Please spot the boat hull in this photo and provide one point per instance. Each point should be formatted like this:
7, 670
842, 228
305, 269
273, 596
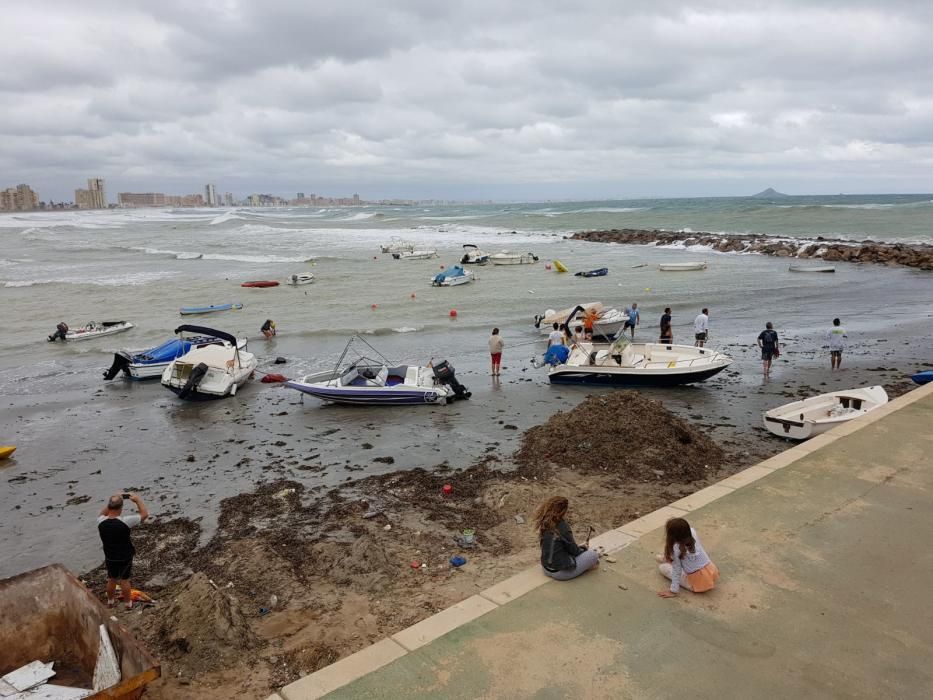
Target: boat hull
610, 377
373, 397
100, 332
194, 310
923, 377
824, 269
801, 420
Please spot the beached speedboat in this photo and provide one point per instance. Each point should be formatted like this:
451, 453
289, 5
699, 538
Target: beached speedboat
210, 371
452, 276
601, 272
151, 363
382, 383
96, 329
507, 258
682, 267
299, 279
472, 255
811, 268
804, 419
397, 245
192, 310
607, 325
637, 364
415, 255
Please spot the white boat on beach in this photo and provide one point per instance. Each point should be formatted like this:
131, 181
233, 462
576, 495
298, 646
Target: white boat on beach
637, 364
804, 419
811, 268
682, 267
507, 258
210, 372
96, 329
452, 277
397, 245
608, 323
299, 279
415, 255
472, 255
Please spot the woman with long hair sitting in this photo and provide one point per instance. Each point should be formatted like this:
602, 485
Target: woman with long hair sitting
561, 557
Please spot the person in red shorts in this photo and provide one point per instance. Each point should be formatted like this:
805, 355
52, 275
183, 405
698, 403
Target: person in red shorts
495, 350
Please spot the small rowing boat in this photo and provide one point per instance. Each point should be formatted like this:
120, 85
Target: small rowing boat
303, 278
811, 268
682, 267
804, 419
95, 329
415, 255
601, 272
191, 310
7, 450
260, 284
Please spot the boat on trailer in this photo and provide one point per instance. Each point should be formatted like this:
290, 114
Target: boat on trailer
507, 258
682, 267
151, 362
622, 363
380, 382
811, 268
211, 371
804, 419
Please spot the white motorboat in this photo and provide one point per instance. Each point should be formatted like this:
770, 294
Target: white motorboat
804, 419
472, 255
381, 383
96, 329
210, 372
637, 364
507, 258
811, 268
607, 325
415, 255
682, 267
150, 363
299, 279
397, 245
452, 276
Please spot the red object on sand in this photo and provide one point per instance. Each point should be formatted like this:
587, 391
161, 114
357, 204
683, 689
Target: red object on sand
273, 378
260, 283
448, 489
415, 564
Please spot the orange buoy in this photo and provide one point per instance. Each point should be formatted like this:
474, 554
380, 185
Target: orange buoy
447, 489
547, 266
372, 306
453, 313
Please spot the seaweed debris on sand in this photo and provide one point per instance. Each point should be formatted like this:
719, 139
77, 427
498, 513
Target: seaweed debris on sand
303, 579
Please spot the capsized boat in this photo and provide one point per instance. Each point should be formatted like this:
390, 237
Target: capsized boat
380, 382
96, 329
682, 267
415, 255
601, 272
804, 419
559, 266
397, 245
211, 371
452, 276
299, 279
607, 325
637, 364
260, 284
192, 310
811, 268
507, 258
151, 363
472, 255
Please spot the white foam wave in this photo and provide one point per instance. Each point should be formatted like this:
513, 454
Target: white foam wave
406, 329
231, 215
134, 279
257, 258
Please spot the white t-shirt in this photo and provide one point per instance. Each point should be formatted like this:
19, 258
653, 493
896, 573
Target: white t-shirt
495, 344
837, 338
701, 323
555, 338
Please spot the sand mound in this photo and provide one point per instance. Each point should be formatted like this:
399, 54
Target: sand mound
203, 625
622, 433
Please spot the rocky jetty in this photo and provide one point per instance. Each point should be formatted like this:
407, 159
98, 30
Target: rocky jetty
828, 249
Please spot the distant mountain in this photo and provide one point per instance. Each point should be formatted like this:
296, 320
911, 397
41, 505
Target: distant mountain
769, 193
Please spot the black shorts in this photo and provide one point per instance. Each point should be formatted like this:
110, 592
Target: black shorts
767, 355
628, 324
119, 570
701, 336
835, 353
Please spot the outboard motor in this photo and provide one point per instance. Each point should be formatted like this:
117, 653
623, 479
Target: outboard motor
465, 259
444, 373
197, 374
120, 363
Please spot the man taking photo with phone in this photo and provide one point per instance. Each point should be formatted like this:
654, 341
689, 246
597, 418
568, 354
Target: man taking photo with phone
114, 529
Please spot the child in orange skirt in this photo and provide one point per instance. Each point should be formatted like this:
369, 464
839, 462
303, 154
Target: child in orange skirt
684, 561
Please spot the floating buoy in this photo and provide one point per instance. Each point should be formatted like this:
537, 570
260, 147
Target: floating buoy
453, 313
412, 295
442, 267
647, 289
372, 306
547, 266
447, 489
375, 257
273, 378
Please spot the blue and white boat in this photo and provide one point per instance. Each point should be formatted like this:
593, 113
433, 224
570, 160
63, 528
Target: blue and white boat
379, 382
191, 310
151, 363
452, 276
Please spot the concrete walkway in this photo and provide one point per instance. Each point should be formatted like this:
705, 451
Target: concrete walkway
826, 554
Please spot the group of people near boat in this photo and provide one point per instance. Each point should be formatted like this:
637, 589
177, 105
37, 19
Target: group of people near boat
684, 561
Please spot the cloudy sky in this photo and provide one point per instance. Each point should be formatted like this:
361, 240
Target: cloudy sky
468, 99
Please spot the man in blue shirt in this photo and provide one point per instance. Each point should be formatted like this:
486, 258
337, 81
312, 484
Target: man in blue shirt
632, 313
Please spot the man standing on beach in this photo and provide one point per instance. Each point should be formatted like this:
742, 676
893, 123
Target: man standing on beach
837, 343
768, 342
555, 337
632, 313
667, 331
701, 328
114, 530
495, 350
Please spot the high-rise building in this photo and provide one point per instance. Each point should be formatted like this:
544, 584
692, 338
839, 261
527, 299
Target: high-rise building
356, 200
19, 198
228, 198
141, 199
301, 195
94, 197
210, 195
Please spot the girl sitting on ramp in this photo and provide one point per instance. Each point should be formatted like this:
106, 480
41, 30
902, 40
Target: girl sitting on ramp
684, 561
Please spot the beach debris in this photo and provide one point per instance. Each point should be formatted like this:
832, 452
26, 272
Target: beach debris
273, 378
263, 612
520, 520
30, 675
624, 588
280, 360
457, 561
611, 560
415, 564
107, 669
370, 514
469, 535
447, 489
273, 600
387, 527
